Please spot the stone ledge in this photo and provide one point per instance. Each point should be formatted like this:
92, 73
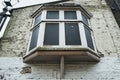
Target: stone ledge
53, 54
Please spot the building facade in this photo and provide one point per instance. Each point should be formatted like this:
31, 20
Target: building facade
73, 35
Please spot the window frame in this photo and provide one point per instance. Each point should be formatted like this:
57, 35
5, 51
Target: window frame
62, 22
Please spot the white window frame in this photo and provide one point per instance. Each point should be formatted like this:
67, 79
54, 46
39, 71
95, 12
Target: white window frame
62, 22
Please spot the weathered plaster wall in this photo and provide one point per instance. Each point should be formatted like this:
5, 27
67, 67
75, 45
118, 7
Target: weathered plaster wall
105, 28
14, 69
107, 37
15, 40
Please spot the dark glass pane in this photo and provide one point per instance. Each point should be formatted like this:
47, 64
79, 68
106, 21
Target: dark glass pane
2, 21
1, 17
89, 38
37, 19
72, 35
52, 14
34, 38
85, 19
70, 15
51, 34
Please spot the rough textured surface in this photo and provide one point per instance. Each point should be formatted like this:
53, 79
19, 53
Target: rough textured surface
115, 7
105, 29
107, 69
15, 40
107, 38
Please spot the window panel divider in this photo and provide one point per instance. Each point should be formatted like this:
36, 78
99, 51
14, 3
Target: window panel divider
44, 14
41, 34
61, 35
61, 15
65, 20
82, 35
79, 15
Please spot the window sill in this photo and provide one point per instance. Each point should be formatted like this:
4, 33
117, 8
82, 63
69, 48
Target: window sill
52, 55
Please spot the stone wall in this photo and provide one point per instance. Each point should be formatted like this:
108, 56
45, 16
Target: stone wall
14, 69
15, 40
107, 37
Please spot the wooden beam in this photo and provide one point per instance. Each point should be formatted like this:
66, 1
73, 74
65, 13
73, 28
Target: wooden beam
62, 67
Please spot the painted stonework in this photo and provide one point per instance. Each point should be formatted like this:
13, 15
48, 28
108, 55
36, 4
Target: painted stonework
107, 37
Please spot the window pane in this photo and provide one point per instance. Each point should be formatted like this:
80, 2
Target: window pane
52, 14
85, 19
70, 15
1, 17
89, 38
37, 19
34, 38
2, 21
51, 34
72, 34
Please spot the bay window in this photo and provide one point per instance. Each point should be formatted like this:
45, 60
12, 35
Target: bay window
61, 32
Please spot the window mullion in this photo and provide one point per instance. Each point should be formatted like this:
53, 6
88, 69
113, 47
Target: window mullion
61, 34
41, 34
82, 35
79, 15
61, 15
44, 13
62, 29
